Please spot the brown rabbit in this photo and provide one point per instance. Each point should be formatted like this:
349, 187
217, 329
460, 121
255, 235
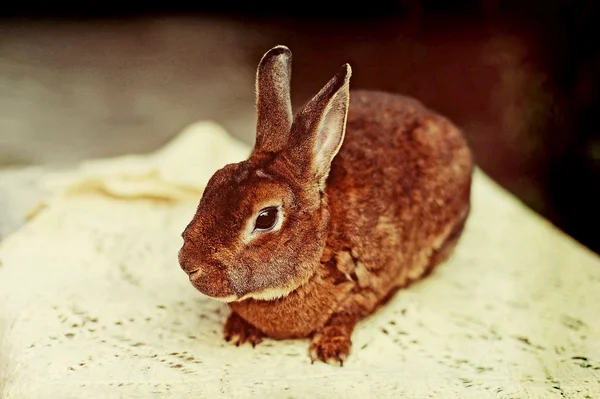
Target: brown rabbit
335, 210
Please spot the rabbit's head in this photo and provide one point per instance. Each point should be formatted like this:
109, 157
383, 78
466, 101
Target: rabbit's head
261, 225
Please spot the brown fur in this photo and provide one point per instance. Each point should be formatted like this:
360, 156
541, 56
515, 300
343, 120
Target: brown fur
359, 223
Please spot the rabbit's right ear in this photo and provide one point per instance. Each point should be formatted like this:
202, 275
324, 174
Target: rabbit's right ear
319, 128
273, 103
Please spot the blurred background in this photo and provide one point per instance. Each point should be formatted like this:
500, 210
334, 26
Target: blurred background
522, 78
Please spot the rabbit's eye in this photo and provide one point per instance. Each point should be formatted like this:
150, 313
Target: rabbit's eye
266, 220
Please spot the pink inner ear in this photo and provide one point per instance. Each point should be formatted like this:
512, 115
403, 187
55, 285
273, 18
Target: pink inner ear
321, 138
329, 135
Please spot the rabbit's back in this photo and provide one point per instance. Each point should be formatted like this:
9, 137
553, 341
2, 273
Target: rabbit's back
397, 188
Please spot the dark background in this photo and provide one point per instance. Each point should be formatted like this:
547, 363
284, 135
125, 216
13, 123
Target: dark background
520, 77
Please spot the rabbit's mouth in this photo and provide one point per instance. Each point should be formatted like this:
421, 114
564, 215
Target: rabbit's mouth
213, 285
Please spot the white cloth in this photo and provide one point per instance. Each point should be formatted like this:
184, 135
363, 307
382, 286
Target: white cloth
93, 303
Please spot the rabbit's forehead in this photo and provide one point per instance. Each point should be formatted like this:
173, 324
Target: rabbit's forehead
257, 195
240, 190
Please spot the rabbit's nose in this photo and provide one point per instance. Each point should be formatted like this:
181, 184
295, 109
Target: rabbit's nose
186, 259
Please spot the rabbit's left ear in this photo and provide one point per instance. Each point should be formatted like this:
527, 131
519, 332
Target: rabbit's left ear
273, 103
318, 130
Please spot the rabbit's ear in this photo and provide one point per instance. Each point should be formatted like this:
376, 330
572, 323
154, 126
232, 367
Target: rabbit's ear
273, 104
318, 130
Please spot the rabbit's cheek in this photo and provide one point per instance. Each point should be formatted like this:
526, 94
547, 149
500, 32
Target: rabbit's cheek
239, 278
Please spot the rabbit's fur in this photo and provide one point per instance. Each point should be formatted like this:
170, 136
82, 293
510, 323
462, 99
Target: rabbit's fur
371, 190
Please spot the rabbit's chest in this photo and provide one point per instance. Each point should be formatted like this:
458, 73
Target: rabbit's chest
297, 315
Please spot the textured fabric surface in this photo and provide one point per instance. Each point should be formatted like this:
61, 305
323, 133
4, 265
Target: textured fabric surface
93, 303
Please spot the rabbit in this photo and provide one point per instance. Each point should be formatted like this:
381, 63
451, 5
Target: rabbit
336, 208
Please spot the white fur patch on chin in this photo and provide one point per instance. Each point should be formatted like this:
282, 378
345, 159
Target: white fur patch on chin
267, 295
226, 299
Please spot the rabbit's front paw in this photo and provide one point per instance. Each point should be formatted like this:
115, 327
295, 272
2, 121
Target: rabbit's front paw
238, 331
331, 345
